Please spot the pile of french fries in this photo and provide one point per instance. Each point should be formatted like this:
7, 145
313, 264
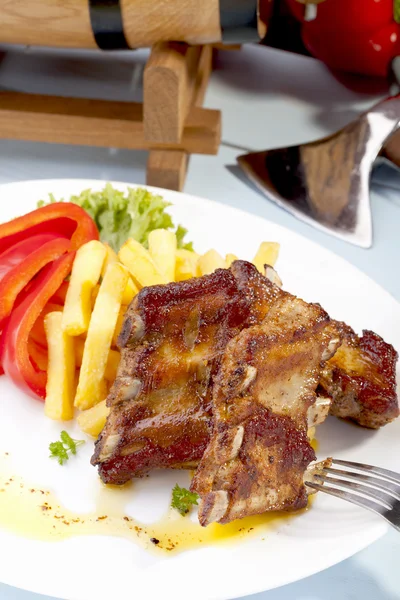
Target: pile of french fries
83, 356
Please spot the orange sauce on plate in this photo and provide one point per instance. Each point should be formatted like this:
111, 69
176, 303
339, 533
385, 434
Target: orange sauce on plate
36, 513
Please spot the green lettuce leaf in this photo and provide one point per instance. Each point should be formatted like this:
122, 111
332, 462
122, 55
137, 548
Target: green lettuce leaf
120, 216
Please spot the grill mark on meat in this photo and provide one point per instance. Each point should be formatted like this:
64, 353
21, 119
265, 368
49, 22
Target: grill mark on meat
361, 379
186, 327
266, 472
169, 423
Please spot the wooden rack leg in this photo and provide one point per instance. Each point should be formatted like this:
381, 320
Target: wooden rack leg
176, 78
167, 169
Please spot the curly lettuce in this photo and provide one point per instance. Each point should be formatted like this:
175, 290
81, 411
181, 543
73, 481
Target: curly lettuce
120, 216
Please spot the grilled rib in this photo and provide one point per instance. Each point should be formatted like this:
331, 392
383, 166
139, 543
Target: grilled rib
361, 379
259, 450
172, 342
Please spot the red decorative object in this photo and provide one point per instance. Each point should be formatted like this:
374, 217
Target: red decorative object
356, 36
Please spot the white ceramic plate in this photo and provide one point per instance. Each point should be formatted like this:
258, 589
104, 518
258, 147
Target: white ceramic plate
86, 568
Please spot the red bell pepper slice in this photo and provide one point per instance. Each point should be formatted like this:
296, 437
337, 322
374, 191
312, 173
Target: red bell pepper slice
64, 218
20, 264
61, 294
38, 334
15, 351
17, 253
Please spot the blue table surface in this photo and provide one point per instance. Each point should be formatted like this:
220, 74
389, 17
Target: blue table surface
268, 99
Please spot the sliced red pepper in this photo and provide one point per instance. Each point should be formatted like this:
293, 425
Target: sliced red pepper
14, 255
66, 219
33, 254
15, 351
38, 334
38, 355
61, 294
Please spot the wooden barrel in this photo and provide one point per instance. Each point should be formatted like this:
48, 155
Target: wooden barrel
129, 23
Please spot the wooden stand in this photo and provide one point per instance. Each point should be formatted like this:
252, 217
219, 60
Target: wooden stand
175, 82
170, 123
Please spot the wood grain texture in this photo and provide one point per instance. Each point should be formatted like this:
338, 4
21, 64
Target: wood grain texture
204, 69
60, 23
167, 169
169, 80
66, 23
147, 22
97, 123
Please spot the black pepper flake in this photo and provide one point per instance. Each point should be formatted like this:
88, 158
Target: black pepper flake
155, 541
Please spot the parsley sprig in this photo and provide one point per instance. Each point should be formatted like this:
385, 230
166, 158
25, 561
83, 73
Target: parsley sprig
183, 499
61, 449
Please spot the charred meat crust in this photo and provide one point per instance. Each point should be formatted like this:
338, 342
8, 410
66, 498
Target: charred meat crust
361, 379
172, 342
284, 356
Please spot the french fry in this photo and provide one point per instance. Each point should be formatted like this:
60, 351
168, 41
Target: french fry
59, 403
131, 289
114, 357
267, 254
85, 274
95, 293
162, 248
119, 324
38, 333
186, 265
92, 421
129, 292
99, 337
110, 257
229, 259
140, 264
210, 261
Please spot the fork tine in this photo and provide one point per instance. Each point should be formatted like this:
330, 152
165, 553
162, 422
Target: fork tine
380, 484
390, 475
370, 492
353, 498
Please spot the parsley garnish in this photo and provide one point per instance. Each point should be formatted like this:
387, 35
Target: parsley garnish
183, 499
60, 450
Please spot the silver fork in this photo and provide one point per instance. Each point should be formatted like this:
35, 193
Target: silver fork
379, 492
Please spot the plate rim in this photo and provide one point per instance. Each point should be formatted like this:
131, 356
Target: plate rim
380, 532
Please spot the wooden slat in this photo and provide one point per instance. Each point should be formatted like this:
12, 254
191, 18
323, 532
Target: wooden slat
59, 23
66, 23
169, 80
147, 22
97, 123
203, 75
167, 169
